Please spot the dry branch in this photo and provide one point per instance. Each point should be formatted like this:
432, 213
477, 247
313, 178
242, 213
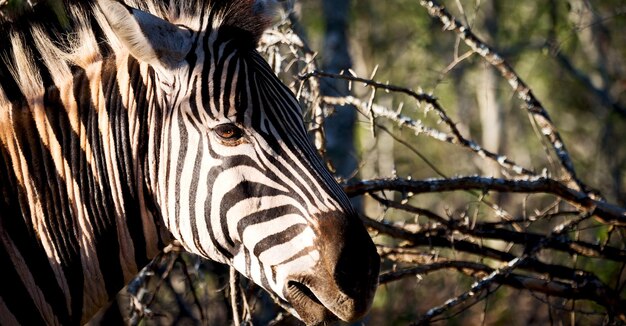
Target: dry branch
577, 290
455, 137
607, 212
482, 230
573, 284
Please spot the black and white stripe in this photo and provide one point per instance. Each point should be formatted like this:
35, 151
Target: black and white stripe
111, 142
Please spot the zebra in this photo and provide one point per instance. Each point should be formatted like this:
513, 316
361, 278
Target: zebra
125, 125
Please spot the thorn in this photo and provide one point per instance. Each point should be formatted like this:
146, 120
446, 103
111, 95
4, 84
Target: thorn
374, 72
399, 109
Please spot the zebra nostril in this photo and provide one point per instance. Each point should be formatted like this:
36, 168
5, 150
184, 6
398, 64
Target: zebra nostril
358, 265
349, 255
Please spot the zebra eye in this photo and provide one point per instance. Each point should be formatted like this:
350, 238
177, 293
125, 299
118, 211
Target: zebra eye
228, 132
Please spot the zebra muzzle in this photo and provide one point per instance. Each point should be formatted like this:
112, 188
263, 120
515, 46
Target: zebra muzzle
343, 283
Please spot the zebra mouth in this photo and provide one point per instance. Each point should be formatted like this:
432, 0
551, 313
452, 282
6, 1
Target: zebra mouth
309, 308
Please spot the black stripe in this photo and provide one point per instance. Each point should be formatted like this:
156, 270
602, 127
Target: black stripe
218, 65
278, 238
229, 87
246, 254
107, 246
73, 154
226, 252
264, 282
132, 210
242, 93
264, 216
14, 222
193, 197
243, 191
193, 101
67, 139
149, 117
180, 162
209, 61
15, 294
305, 251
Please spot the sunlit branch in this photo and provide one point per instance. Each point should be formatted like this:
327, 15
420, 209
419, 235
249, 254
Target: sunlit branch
609, 213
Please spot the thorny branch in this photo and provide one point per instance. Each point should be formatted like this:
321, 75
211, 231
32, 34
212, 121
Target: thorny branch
609, 213
454, 138
580, 284
614, 304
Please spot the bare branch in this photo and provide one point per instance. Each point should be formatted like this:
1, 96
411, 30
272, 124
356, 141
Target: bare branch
607, 212
614, 303
577, 289
416, 125
525, 238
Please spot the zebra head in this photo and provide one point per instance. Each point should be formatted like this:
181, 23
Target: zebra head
231, 168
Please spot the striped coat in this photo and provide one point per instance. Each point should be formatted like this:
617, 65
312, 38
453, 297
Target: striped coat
126, 125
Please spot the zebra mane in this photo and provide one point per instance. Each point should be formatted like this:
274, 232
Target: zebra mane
42, 45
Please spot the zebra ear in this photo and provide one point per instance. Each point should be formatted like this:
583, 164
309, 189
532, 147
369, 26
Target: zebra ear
147, 37
253, 16
266, 9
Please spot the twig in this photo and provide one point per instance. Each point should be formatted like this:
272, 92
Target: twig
437, 238
578, 289
486, 231
443, 239
191, 287
234, 296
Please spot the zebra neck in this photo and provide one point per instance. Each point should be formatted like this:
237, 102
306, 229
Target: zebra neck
121, 126
74, 160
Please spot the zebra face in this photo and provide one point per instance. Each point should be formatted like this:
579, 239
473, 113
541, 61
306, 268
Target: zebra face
237, 180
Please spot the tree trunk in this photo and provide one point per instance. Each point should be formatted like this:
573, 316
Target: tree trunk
487, 93
339, 127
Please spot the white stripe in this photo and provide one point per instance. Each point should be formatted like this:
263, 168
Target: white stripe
301, 264
226, 181
283, 251
186, 178
250, 205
